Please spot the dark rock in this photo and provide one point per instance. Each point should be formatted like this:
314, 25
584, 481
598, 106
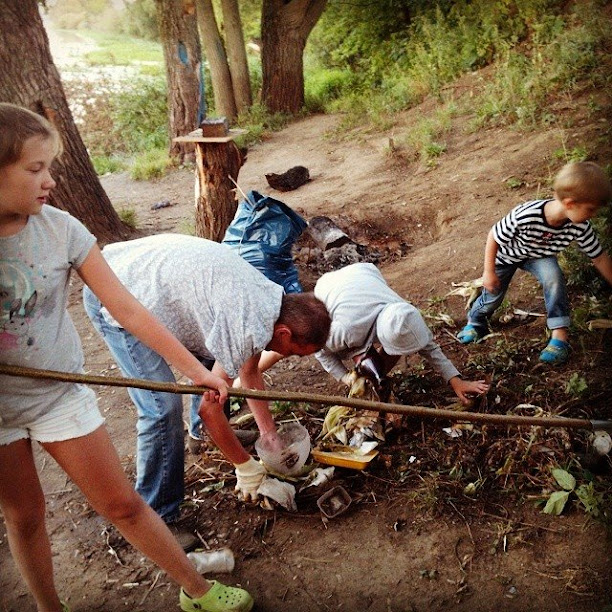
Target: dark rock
161, 204
287, 181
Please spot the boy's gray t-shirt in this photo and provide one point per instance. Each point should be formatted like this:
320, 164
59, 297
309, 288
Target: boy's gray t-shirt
36, 330
217, 305
355, 296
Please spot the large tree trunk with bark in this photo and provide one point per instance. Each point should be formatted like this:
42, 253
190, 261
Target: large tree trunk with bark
285, 27
236, 52
225, 104
178, 31
29, 78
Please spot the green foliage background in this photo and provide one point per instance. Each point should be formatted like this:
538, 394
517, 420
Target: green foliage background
370, 60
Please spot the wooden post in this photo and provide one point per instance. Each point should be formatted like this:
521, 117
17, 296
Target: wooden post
217, 158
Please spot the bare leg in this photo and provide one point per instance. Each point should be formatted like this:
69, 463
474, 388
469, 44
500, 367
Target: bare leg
561, 333
23, 506
92, 463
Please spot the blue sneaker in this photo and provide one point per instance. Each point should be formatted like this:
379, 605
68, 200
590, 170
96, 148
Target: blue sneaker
469, 334
556, 352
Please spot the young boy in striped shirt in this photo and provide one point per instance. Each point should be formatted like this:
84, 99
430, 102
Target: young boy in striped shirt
530, 237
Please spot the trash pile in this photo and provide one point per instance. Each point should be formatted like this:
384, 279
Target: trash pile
284, 455
348, 439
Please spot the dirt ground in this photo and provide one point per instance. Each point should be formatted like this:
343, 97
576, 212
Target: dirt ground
412, 539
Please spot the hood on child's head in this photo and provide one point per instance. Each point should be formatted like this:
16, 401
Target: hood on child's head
401, 329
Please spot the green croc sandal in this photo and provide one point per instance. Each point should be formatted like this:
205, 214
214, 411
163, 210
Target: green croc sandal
469, 334
555, 353
220, 598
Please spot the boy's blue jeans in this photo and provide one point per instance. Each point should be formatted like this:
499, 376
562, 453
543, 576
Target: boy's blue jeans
550, 276
160, 452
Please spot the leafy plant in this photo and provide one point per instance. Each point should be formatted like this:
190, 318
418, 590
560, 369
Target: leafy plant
432, 151
589, 498
577, 154
514, 183
425, 136
557, 500
576, 385
578, 267
140, 116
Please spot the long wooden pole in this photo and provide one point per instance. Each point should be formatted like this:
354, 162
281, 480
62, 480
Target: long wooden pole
315, 398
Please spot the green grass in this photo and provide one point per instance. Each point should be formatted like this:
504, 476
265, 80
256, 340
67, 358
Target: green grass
122, 50
323, 85
563, 56
425, 140
537, 57
151, 164
108, 164
258, 121
576, 154
128, 216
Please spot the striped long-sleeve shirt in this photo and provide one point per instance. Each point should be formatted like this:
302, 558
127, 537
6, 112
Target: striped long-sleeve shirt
524, 233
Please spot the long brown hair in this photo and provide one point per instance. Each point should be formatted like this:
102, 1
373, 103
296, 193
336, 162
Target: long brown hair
17, 124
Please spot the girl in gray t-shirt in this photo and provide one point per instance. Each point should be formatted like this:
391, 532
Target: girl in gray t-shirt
39, 246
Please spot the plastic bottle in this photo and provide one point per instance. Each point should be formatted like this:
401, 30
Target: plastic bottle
213, 561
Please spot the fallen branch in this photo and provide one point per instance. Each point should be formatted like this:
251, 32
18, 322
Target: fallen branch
315, 398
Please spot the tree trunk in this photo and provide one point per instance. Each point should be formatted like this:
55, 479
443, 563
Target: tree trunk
179, 35
29, 78
285, 27
215, 197
236, 51
225, 104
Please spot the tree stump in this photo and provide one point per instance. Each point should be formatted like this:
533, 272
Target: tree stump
217, 158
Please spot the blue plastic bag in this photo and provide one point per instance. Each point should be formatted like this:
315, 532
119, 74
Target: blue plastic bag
262, 232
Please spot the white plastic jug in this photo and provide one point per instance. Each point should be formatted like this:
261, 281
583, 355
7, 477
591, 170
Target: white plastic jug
213, 561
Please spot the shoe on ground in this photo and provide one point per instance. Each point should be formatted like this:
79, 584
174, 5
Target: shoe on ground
556, 352
469, 334
187, 540
220, 598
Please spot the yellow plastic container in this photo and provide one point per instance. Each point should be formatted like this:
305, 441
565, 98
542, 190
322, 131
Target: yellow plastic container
344, 458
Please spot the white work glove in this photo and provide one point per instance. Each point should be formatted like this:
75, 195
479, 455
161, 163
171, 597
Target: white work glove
349, 378
249, 475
